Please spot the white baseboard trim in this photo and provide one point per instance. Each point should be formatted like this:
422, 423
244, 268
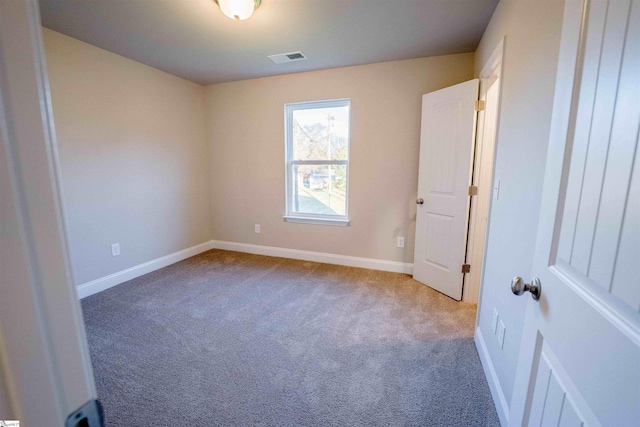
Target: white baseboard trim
106, 282
324, 257
492, 378
93, 287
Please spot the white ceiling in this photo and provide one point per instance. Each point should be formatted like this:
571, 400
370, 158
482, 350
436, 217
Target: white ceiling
194, 40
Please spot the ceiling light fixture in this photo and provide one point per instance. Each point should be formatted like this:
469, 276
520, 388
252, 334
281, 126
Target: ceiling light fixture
238, 10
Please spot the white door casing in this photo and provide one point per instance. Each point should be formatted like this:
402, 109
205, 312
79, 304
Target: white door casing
579, 361
446, 144
483, 171
43, 351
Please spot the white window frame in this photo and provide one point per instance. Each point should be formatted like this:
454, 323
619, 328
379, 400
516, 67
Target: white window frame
297, 217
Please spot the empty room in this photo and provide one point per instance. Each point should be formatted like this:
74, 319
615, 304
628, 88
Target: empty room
319, 213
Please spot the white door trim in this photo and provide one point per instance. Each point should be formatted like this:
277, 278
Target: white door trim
45, 361
493, 65
477, 241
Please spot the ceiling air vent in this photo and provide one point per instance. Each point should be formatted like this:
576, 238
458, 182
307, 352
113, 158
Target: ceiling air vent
287, 57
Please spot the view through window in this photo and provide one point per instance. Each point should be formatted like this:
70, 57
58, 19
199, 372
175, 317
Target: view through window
317, 145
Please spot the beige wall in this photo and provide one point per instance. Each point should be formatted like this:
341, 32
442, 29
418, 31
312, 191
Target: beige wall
246, 137
134, 157
532, 30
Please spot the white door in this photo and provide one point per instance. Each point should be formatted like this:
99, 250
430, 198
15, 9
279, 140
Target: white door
580, 356
446, 144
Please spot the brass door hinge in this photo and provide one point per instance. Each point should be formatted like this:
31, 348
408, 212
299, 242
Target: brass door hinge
466, 268
479, 105
473, 190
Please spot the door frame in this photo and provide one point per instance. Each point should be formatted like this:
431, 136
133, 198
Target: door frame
477, 235
44, 357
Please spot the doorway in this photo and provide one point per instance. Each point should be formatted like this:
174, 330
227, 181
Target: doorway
457, 151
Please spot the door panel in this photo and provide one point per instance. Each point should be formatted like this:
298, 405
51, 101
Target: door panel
594, 209
448, 129
600, 208
586, 326
441, 154
625, 278
438, 230
609, 49
551, 403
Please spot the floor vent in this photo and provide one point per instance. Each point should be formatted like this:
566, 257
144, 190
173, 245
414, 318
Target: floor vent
287, 57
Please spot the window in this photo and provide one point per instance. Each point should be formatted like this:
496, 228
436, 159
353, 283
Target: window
317, 162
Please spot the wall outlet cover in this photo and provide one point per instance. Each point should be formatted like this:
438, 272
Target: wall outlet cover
257, 228
501, 331
400, 242
115, 249
494, 321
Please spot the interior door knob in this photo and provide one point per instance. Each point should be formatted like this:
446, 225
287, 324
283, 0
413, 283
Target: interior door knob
420, 201
518, 287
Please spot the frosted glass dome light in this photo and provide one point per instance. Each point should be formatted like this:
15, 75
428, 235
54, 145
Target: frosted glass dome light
238, 10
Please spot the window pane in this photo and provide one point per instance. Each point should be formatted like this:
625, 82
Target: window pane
319, 189
321, 134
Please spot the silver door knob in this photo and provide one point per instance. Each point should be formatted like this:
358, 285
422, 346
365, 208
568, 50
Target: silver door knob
420, 201
518, 287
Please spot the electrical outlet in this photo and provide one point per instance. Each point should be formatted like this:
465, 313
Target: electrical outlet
257, 228
496, 190
501, 332
115, 249
494, 321
400, 242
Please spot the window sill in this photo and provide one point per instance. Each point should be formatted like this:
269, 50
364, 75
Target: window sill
317, 221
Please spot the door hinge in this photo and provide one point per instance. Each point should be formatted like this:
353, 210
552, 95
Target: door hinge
479, 105
466, 268
473, 190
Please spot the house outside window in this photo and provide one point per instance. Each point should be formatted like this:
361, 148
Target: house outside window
317, 162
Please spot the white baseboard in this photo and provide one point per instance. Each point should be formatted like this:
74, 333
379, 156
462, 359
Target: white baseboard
103, 283
324, 257
492, 378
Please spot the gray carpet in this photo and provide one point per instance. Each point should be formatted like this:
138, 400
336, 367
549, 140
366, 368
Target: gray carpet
232, 339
